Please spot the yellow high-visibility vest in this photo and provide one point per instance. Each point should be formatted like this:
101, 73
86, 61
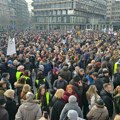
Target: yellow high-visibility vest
18, 75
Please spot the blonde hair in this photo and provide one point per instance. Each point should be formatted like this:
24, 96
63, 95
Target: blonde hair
92, 90
117, 117
9, 93
26, 88
59, 93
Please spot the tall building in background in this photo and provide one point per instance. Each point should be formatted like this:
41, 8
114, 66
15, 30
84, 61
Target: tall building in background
4, 15
69, 14
22, 19
113, 13
14, 15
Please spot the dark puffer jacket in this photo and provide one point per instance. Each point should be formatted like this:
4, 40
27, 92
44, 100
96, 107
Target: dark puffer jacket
108, 100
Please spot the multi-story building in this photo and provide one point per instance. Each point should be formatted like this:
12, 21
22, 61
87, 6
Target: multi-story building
67, 14
14, 14
4, 15
113, 13
22, 19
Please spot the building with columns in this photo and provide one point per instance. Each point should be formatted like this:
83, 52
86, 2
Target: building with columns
69, 14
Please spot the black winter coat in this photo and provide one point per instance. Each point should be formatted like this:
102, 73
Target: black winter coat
116, 81
108, 100
57, 109
11, 108
117, 104
3, 114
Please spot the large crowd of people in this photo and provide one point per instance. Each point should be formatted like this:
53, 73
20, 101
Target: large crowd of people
60, 76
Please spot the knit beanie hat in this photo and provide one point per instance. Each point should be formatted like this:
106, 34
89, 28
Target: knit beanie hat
72, 115
29, 97
72, 99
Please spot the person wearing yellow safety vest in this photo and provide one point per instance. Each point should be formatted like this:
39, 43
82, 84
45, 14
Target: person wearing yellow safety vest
41, 81
20, 71
27, 77
116, 65
44, 98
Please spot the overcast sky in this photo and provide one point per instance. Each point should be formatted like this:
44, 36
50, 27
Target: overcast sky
29, 4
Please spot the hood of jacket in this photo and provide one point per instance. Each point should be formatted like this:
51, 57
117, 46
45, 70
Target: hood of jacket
30, 106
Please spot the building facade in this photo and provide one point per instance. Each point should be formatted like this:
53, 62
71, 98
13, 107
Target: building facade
14, 15
68, 14
4, 15
113, 13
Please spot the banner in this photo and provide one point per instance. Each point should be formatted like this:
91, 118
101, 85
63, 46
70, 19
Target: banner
11, 49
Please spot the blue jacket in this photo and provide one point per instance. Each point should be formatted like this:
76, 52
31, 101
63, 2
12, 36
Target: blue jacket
90, 80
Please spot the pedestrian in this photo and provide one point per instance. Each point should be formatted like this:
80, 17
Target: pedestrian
92, 95
58, 105
107, 97
29, 110
117, 100
3, 112
71, 105
98, 111
10, 106
69, 91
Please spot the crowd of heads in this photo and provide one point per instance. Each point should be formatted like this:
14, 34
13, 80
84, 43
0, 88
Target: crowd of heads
60, 76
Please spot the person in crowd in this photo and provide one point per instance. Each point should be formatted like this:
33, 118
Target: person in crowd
44, 98
84, 97
12, 71
41, 81
71, 105
27, 77
20, 72
58, 95
10, 106
97, 82
69, 91
90, 77
3, 112
117, 117
58, 105
92, 95
5, 81
25, 90
78, 88
116, 80
60, 83
45, 116
73, 115
117, 100
107, 97
29, 110
98, 111
67, 75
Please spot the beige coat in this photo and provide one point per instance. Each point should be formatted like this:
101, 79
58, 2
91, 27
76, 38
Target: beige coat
29, 111
98, 113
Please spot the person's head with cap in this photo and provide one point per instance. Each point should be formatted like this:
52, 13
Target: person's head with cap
2, 100
9, 94
76, 78
20, 68
105, 71
100, 103
6, 76
60, 77
9, 62
29, 97
72, 115
72, 99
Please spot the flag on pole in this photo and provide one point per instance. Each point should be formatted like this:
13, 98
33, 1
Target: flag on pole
11, 49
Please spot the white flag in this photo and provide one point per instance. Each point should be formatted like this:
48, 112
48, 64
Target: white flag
11, 49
